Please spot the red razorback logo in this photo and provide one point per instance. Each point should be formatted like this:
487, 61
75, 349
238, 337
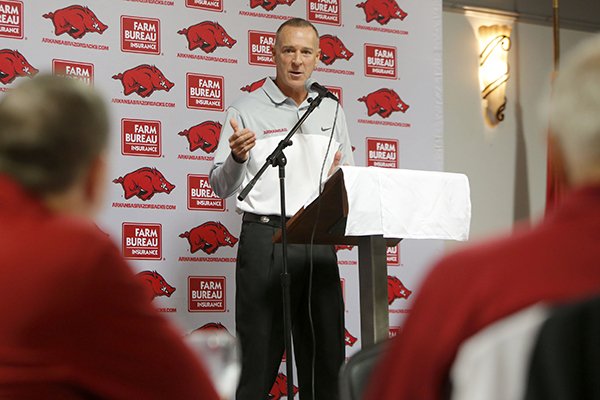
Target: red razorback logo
14, 64
349, 339
269, 5
208, 237
203, 136
208, 36
396, 289
212, 326
332, 48
76, 21
156, 284
279, 388
144, 183
382, 10
143, 80
383, 102
254, 85
339, 247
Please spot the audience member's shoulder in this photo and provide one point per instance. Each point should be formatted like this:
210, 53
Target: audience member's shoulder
479, 253
74, 250
74, 230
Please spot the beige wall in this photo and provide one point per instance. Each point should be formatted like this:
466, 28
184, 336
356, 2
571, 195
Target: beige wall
506, 165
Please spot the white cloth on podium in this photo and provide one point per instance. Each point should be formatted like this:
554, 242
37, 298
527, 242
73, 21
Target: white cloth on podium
407, 204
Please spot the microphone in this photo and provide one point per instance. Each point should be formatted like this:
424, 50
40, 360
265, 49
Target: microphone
312, 85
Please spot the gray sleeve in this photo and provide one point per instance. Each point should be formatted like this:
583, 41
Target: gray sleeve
343, 137
226, 174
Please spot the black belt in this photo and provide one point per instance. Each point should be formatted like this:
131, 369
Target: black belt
271, 220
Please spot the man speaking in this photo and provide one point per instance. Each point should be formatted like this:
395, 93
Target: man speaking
253, 127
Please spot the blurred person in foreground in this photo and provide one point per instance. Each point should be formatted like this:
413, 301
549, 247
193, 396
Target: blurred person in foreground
555, 261
75, 322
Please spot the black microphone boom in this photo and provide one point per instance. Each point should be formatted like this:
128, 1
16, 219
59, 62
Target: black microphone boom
313, 85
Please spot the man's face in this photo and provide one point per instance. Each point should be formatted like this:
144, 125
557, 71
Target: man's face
296, 53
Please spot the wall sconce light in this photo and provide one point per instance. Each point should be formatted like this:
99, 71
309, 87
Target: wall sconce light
492, 29
494, 71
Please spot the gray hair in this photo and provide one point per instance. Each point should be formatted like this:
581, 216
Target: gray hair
296, 23
51, 129
575, 106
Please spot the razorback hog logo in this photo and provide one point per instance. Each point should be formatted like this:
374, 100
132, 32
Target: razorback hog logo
208, 36
208, 237
382, 10
279, 388
253, 86
212, 326
383, 102
76, 21
349, 339
269, 5
143, 80
155, 284
12, 65
332, 48
339, 247
396, 289
144, 183
203, 136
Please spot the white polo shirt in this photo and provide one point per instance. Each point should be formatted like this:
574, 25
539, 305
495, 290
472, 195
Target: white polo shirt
271, 115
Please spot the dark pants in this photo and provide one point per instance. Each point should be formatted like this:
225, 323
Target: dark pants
259, 315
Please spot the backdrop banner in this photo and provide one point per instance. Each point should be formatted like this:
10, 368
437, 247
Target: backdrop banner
169, 69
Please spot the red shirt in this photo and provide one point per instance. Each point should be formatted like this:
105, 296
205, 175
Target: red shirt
75, 322
556, 261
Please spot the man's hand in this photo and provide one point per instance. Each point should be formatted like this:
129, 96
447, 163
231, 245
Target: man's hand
241, 141
336, 162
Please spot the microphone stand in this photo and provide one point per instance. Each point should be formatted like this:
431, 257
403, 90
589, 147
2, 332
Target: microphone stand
277, 158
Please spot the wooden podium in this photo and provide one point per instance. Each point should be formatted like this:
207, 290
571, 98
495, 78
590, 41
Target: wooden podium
329, 213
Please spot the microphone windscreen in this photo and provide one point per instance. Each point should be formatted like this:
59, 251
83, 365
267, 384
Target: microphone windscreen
308, 84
